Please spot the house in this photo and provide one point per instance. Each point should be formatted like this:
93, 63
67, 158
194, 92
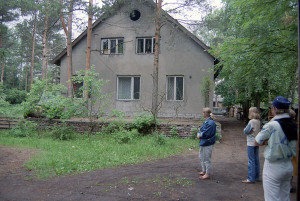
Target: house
123, 53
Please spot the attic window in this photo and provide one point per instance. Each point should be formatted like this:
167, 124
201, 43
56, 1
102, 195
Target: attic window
135, 15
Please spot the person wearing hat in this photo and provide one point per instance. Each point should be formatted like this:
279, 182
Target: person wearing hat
279, 135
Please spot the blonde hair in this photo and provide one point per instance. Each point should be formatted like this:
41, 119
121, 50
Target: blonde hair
207, 111
253, 113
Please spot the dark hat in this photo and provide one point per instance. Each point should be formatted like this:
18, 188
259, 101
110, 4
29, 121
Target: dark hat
281, 102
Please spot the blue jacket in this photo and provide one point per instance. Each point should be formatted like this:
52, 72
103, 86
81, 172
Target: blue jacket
207, 133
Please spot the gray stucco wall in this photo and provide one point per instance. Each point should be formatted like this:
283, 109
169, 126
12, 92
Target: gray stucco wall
179, 56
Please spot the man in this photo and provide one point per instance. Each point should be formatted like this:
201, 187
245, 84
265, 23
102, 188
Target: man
279, 135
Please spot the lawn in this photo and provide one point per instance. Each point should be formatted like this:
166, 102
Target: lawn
81, 153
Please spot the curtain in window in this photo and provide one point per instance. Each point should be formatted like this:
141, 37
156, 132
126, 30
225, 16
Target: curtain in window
179, 88
113, 44
136, 88
124, 87
120, 46
140, 46
170, 89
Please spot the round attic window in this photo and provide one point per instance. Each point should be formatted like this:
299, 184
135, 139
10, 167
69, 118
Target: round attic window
135, 15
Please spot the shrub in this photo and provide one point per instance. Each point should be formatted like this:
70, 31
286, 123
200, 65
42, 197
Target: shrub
174, 131
15, 96
194, 132
144, 124
159, 138
125, 136
218, 137
114, 127
63, 132
24, 129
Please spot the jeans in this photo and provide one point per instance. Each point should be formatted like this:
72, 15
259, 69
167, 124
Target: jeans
205, 153
276, 180
253, 163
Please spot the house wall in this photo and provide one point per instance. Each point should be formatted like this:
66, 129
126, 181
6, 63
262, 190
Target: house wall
179, 55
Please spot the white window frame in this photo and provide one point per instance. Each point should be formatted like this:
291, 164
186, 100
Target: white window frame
174, 89
131, 87
109, 44
144, 45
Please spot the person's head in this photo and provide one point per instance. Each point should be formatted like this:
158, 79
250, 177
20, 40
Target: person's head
253, 113
280, 105
206, 112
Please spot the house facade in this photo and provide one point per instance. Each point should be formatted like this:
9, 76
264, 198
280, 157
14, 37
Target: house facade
123, 53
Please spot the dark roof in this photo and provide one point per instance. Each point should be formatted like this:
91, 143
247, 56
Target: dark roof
106, 15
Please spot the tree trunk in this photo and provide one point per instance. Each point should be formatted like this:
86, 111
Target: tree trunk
45, 43
69, 50
2, 72
68, 33
89, 43
156, 60
32, 53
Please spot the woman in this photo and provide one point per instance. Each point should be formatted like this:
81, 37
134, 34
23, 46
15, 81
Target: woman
251, 131
207, 136
280, 135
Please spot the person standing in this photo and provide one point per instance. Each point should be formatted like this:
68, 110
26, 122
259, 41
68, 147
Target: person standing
279, 135
207, 136
251, 131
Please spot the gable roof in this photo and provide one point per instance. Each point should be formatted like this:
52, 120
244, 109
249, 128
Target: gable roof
115, 8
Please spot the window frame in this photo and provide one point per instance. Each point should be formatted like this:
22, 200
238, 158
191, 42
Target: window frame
132, 82
144, 45
109, 48
174, 87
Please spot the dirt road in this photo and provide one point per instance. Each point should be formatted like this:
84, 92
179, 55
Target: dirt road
174, 178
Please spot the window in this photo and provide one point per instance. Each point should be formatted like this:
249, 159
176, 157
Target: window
135, 15
174, 88
145, 45
77, 88
129, 87
112, 46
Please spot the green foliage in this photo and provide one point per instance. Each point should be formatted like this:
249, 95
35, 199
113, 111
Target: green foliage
257, 47
114, 127
62, 132
218, 137
174, 131
206, 87
15, 96
116, 113
125, 136
24, 129
194, 132
143, 123
46, 99
3, 102
159, 138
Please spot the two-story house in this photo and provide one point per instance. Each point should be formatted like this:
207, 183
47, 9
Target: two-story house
123, 53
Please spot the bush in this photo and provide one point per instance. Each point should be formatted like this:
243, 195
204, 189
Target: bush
24, 129
144, 124
124, 136
174, 131
194, 132
159, 138
114, 127
15, 96
63, 132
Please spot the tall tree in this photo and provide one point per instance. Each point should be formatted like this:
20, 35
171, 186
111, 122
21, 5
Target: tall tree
89, 42
158, 14
258, 49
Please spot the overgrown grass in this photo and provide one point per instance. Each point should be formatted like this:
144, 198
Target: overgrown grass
57, 157
12, 111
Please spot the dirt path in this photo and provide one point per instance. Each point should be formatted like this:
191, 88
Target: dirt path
174, 178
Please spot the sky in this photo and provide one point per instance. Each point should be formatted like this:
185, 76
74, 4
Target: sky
190, 15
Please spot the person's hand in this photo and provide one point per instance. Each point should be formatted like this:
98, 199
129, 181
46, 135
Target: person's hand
265, 142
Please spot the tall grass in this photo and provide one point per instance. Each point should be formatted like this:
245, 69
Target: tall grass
56, 157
